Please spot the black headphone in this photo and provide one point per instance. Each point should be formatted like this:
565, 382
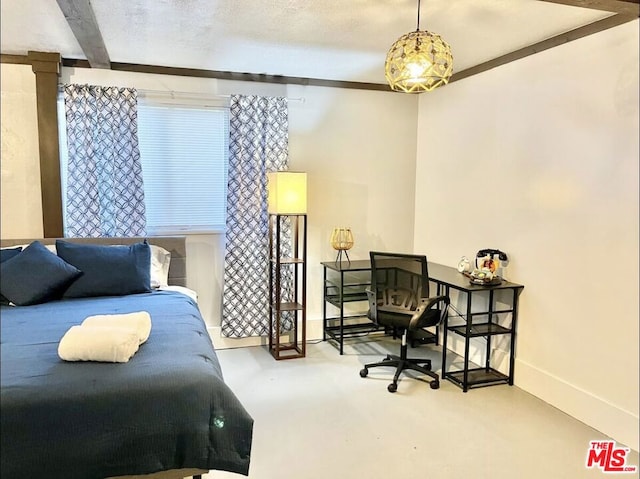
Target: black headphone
492, 252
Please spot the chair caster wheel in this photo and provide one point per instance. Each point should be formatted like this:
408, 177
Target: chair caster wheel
393, 387
364, 372
434, 384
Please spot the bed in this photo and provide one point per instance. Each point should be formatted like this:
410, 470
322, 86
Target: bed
167, 412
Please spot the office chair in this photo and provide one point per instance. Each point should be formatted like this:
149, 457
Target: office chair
399, 299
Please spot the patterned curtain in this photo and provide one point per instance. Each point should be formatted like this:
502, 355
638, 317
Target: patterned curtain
258, 143
105, 195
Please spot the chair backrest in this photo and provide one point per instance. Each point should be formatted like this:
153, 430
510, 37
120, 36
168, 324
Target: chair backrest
402, 272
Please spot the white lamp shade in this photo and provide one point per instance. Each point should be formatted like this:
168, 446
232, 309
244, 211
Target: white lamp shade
287, 193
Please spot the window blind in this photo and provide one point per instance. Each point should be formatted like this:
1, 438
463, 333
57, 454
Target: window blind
184, 153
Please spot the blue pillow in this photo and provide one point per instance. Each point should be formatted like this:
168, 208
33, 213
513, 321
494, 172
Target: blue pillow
36, 275
6, 254
107, 270
9, 253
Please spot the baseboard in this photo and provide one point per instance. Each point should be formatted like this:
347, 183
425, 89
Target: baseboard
609, 419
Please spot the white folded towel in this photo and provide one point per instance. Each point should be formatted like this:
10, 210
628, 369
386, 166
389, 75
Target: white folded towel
98, 343
140, 321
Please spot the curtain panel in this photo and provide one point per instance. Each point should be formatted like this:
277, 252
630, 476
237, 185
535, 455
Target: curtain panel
105, 195
258, 144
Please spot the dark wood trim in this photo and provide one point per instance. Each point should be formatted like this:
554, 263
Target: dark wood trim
624, 7
46, 67
580, 32
81, 19
15, 59
222, 75
590, 29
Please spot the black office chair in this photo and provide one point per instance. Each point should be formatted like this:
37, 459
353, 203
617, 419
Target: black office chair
399, 300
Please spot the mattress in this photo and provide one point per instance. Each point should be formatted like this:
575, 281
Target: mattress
167, 408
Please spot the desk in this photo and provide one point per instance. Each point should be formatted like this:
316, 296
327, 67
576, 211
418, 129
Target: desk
352, 278
346, 282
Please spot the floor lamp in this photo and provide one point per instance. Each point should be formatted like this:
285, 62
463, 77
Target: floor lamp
287, 207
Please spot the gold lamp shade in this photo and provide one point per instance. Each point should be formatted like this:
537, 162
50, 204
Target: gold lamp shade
287, 193
342, 240
418, 61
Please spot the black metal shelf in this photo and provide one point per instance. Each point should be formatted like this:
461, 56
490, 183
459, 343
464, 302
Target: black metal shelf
474, 326
349, 330
480, 329
334, 299
477, 377
345, 282
361, 284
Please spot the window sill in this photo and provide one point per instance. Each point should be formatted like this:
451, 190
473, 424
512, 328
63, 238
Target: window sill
185, 232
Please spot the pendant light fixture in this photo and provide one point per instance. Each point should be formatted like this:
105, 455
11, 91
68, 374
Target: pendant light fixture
418, 61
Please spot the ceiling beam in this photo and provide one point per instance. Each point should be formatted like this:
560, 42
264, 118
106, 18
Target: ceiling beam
624, 7
15, 59
226, 75
580, 32
81, 19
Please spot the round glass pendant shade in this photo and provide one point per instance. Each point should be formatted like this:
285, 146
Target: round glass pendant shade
418, 61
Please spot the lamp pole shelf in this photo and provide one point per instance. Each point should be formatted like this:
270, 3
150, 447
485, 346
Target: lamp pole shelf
287, 285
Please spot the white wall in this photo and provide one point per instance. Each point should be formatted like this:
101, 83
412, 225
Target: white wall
358, 148
21, 214
539, 158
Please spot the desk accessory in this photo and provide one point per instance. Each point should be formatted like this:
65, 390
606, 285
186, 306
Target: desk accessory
493, 260
483, 278
342, 241
464, 265
488, 269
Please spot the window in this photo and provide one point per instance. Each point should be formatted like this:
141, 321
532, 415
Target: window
184, 151
184, 154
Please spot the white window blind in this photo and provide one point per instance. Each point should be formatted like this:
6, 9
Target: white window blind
184, 152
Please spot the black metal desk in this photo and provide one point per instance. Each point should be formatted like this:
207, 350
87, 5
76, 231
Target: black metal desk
486, 327
349, 286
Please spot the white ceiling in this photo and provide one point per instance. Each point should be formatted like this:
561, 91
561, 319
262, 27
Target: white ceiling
327, 39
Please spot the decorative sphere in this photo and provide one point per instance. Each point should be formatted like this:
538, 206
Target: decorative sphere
418, 61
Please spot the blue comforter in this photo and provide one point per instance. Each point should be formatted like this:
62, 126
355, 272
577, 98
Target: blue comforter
167, 408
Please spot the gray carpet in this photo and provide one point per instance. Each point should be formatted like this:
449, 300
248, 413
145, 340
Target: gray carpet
316, 418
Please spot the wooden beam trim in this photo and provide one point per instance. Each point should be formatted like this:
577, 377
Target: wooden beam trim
82, 20
222, 75
15, 59
46, 67
586, 30
624, 7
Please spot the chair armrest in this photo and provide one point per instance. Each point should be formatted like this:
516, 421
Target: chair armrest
427, 304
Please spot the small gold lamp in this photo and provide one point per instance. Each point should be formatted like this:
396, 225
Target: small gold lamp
342, 241
418, 61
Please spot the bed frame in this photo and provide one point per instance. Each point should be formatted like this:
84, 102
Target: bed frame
177, 277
